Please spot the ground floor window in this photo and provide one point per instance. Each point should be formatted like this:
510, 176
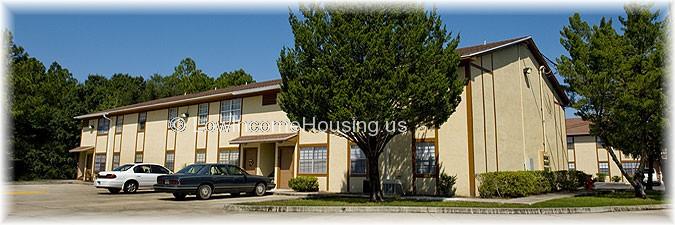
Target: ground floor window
200, 156
357, 161
228, 156
116, 160
425, 158
169, 160
139, 157
603, 167
571, 166
631, 167
313, 160
99, 162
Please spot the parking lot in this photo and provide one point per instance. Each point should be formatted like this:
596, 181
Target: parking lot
84, 203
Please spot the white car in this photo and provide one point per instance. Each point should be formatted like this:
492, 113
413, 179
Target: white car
130, 177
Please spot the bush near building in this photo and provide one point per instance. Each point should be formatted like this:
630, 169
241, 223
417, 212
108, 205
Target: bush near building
511, 184
304, 184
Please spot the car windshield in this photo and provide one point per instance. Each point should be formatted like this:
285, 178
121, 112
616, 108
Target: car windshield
192, 169
124, 167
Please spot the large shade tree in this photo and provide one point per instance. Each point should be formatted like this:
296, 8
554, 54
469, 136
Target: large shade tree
371, 64
616, 82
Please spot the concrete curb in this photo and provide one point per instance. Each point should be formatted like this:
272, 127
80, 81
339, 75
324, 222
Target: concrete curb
39, 182
450, 210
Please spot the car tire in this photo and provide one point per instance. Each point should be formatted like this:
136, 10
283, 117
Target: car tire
130, 187
260, 189
204, 191
114, 190
179, 196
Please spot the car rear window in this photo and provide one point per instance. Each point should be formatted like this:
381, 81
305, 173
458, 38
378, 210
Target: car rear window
124, 167
193, 169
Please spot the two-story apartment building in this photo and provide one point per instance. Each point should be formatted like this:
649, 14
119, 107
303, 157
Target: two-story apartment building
511, 118
587, 154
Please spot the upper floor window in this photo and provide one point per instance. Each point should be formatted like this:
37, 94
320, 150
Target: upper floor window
141, 120
313, 160
203, 114
230, 110
118, 124
425, 158
601, 143
103, 125
269, 99
357, 161
570, 143
173, 113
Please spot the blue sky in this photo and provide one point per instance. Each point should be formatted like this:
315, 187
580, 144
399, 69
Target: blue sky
144, 44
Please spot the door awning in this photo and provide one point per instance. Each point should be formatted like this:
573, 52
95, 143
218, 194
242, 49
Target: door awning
82, 149
263, 138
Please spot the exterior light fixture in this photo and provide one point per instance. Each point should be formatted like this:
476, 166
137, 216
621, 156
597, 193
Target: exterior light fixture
184, 115
527, 71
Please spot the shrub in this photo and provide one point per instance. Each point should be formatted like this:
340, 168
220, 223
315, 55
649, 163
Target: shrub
304, 184
509, 183
523, 183
616, 179
601, 177
446, 185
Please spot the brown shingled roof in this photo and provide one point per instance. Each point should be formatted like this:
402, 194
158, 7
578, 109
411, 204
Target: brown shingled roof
577, 126
471, 50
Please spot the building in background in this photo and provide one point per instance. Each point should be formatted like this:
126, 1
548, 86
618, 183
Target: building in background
511, 118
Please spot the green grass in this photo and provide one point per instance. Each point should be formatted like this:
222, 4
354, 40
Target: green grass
608, 199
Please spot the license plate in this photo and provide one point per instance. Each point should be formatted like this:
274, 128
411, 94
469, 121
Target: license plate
166, 181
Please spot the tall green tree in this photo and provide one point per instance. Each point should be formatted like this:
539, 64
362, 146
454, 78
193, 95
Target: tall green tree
234, 78
615, 81
187, 78
42, 105
374, 64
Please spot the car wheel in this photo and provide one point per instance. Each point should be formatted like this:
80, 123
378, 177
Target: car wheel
260, 189
130, 186
179, 196
114, 190
204, 191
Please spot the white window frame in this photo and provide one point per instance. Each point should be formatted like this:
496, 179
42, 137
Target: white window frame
230, 110
313, 160
356, 156
228, 156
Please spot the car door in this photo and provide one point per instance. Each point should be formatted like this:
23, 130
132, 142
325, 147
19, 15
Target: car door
238, 179
142, 174
222, 181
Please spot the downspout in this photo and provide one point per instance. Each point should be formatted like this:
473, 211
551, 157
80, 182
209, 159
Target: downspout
541, 107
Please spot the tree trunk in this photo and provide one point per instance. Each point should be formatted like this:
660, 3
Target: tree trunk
374, 178
650, 168
636, 183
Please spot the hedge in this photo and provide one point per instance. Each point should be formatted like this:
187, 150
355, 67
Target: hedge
511, 184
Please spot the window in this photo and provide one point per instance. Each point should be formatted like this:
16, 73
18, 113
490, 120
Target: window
425, 158
116, 160
169, 160
103, 125
139, 157
142, 169
99, 162
313, 160
173, 113
228, 156
200, 156
230, 110
203, 114
141, 121
630, 167
571, 166
547, 162
358, 161
233, 170
570, 143
219, 170
269, 99
603, 167
119, 122
158, 169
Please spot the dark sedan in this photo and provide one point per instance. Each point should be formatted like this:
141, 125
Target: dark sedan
203, 180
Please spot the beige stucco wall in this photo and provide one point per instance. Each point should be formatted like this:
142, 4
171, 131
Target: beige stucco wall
589, 154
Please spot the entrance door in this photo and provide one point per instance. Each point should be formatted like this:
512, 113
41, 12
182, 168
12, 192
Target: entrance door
250, 160
285, 166
88, 168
